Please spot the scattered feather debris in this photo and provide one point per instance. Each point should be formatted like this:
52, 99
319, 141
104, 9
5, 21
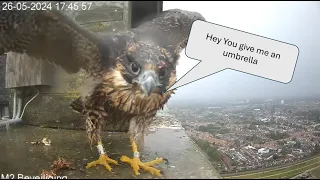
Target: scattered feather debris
58, 165
45, 141
35, 142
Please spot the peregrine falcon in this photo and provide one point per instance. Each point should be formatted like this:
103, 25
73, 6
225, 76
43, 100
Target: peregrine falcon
130, 72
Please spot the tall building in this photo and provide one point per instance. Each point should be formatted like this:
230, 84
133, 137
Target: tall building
282, 101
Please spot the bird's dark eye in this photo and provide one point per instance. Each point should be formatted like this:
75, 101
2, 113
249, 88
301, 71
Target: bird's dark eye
135, 68
163, 72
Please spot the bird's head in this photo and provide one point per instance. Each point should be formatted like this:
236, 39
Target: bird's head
140, 80
148, 69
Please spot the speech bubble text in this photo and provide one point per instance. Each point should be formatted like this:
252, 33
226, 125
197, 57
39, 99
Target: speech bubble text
218, 48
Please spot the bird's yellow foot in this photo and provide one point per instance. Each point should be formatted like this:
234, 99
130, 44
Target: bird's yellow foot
136, 164
103, 160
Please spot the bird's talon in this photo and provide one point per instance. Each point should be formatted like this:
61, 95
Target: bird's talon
136, 164
103, 160
166, 161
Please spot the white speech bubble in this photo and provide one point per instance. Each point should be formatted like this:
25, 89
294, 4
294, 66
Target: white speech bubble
218, 48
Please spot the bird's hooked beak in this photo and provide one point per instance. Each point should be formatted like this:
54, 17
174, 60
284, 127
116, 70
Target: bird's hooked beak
148, 81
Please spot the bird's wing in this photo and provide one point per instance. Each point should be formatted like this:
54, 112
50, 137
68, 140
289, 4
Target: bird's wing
170, 30
51, 36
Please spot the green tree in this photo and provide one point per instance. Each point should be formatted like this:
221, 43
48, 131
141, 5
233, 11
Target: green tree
213, 153
281, 143
275, 156
202, 128
210, 126
317, 148
285, 151
252, 127
297, 145
277, 135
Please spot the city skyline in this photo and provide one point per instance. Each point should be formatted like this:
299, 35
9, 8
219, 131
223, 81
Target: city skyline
292, 22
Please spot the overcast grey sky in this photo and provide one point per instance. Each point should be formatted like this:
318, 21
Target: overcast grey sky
292, 22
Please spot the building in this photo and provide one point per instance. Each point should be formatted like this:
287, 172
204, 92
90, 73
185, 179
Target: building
282, 101
263, 151
227, 161
4, 94
250, 147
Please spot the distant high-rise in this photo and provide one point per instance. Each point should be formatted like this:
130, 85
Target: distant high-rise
247, 101
282, 101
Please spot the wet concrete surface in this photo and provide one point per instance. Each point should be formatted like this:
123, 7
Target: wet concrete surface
19, 156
